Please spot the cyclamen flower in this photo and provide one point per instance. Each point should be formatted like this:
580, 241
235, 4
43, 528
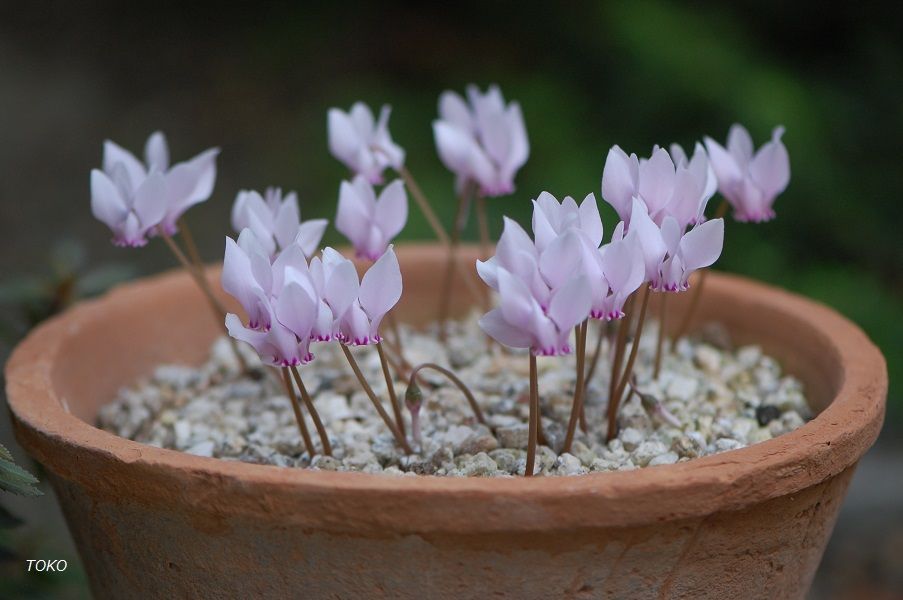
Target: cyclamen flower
520, 322
380, 290
750, 181
131, 209
551, 219
369, 222
681, 191
517, 254
279, 300
364, 146
276, 221
134, 199
670, 255
624, 272
484, 142
571, 246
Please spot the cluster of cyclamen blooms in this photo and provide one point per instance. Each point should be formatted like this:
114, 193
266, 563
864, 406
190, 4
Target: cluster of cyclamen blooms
291, 303
565, 275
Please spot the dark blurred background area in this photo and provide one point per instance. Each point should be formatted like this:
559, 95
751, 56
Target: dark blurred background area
256, 79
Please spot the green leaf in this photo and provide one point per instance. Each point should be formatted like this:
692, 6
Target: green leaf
5, 454
17, 480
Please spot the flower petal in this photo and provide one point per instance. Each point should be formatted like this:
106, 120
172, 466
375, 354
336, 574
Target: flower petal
619, 181
381, 286
495, 326
391, 211
113, 153
107, 205
156, 152
701, 246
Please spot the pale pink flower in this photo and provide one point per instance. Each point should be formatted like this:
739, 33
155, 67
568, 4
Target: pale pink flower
276, 221
279, 299
551, 219
686, 252
364, 146
132, 209
369, 222
380, 289
680, 190
520, 322
750, 180
483, 141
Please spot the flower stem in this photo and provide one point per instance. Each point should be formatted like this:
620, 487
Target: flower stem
620, 344
455, 380
577, 406
697, 288
424, 205
594, 362
451, 264
376, 403
390, 385
534, 419
189, 244
483, 222
628, 369
662, 324
309, 404
219, 312
302, 427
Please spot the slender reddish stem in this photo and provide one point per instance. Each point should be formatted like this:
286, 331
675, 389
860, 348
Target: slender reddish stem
579, 388
375, 400
662, 325
309, 404
451, 264
424, 204
471, 400
534, 419
614, 401
390, 386
299, 418
199, 276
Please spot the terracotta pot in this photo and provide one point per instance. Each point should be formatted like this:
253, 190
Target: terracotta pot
750, 523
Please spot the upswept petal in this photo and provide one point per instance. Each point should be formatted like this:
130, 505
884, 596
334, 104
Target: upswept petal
495, 326
344, 139
619, 181
156, 152
770, 168
114, 154
570, 304
107, 204
656, 181
391, 212
381, 286
701, 246
740, 144
150, 200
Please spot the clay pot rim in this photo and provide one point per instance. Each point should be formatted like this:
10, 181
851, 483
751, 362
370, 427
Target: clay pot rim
822, 448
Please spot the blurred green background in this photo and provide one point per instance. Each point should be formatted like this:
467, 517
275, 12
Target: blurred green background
257, 80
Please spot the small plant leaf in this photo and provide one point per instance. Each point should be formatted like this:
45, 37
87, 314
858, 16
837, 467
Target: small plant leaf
16, 480
5, 454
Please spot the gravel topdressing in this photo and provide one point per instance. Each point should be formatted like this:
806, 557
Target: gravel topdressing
709, 398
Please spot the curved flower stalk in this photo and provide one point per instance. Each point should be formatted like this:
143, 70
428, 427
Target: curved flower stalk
370, 222
483, 140
276, 221
750, 181
679, 188
362, 144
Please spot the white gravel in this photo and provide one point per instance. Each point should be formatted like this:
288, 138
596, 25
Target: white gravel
707, 399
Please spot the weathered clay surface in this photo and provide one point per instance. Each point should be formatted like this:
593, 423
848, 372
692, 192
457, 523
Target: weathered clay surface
749, 523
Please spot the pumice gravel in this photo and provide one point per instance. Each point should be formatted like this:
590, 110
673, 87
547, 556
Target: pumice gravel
709, 397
